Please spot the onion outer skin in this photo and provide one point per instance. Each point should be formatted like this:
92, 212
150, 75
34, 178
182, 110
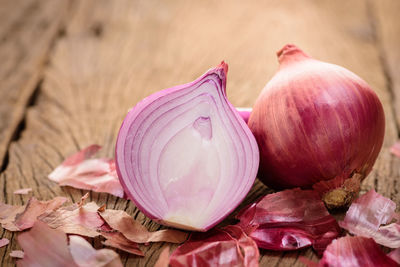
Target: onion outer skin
218, 73
244, 113
316, 124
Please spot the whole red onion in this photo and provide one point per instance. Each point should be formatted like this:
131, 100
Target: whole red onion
317, 125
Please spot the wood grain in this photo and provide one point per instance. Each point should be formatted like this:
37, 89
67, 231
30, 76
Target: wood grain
27, 31
386, 31
385, 15
114, 53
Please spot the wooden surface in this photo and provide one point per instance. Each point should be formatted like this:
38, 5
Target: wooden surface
70, 70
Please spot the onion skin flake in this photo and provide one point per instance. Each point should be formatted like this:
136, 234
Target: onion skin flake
370, 216
228, 246
353, 251
82, 171
289, 220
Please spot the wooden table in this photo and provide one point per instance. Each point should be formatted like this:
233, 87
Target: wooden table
70, 70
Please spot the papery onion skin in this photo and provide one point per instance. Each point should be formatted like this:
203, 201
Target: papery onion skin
371, 216
355, 251
149, 195
289, 220
228, 246
315, 121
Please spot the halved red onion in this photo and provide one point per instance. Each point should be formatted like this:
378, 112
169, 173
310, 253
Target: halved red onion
185, 156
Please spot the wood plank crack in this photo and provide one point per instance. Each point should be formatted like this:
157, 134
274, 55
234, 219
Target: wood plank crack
21, 77
16, 135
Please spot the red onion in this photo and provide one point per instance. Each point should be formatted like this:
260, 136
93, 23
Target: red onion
185, 156
316, 124
244, 113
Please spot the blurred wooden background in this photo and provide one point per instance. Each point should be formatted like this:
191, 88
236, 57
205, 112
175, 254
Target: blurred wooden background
70, 70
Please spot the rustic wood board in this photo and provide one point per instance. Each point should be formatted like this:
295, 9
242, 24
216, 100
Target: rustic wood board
388, 39
27, 31
114, 53
386, 25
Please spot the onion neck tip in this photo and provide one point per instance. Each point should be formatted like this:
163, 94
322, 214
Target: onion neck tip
290, 53
223, 66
